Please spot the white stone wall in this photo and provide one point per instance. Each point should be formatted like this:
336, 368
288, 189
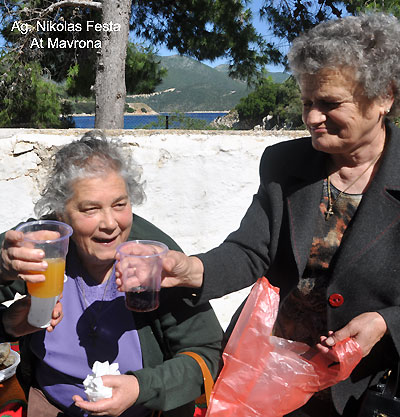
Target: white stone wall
198, 184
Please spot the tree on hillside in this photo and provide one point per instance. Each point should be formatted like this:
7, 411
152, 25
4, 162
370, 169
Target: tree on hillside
259, 103
288, 110
204, 29
143, 71
272, 105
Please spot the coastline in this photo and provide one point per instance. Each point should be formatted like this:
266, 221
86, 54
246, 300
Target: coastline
125, 114
155, 113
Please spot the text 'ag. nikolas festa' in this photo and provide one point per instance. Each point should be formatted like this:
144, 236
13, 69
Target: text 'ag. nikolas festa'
49, 26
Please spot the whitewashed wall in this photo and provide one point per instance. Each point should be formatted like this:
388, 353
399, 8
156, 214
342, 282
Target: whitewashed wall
198, 184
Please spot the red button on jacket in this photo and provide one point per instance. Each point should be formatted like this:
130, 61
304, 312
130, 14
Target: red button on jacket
336, 300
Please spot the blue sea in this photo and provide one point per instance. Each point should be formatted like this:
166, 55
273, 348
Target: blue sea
139, 121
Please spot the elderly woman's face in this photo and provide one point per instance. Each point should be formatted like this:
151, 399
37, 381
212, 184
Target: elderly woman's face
339, 117
101, 216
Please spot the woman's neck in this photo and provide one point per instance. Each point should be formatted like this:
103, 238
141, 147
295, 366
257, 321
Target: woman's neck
98, 273
353, 172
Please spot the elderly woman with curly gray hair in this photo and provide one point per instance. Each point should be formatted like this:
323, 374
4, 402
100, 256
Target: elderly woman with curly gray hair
324, 225
92, 187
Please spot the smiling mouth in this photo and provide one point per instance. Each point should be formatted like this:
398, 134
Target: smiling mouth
104, 241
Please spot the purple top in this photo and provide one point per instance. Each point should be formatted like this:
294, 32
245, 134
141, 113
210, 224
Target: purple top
96, 327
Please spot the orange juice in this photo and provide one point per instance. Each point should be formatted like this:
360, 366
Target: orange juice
54, 283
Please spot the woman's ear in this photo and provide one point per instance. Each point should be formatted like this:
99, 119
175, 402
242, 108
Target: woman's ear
386, 102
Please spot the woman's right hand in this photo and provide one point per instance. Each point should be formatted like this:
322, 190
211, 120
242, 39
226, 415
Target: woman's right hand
367, 329
18, 262
179, 270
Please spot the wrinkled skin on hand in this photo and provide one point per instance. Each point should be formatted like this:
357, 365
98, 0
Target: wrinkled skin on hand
179, 270
366, 329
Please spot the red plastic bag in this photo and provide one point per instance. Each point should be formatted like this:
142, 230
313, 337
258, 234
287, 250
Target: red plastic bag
267, 376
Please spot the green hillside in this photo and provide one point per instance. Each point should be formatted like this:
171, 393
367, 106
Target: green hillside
193, 86
277, 77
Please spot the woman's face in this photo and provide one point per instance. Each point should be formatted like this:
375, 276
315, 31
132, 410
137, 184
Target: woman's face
337, 114
100, 214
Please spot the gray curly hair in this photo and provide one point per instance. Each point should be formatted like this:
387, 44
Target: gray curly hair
368, 43
92, 155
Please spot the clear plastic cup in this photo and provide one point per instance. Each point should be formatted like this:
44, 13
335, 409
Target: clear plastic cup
53, 238
141, 266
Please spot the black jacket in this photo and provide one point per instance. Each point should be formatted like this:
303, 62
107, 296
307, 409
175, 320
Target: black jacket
275, 237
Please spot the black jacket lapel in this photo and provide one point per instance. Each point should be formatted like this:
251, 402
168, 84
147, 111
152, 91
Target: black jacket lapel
303, 200
379, 210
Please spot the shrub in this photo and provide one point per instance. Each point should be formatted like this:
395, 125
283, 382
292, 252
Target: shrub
26, 98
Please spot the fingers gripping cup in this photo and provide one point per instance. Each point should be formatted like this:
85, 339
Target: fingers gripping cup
141, 266
53, 238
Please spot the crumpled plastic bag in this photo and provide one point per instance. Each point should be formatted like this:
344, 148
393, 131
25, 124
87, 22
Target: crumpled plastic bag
268, 376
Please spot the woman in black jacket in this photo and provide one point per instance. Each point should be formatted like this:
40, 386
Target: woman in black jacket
325, 223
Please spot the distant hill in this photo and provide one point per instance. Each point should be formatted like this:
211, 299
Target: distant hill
277, 77
193, 86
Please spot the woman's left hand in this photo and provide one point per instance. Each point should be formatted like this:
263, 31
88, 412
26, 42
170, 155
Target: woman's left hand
125, 393
15, 318
366, 329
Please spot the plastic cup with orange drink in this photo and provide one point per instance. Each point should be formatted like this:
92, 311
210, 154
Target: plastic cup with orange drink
53, 238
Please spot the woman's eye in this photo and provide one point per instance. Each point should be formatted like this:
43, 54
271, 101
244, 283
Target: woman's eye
120, 206
331, 104
89, 210
321, 105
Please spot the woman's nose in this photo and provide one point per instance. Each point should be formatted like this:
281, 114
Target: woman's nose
108, 221
314, 116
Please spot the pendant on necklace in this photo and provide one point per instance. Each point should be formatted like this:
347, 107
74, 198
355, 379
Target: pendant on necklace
329, 213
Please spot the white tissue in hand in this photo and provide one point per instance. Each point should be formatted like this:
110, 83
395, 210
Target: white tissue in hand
94, 388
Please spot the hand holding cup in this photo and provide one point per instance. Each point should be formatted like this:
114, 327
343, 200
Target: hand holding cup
140, 266
19, 261
52, 238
